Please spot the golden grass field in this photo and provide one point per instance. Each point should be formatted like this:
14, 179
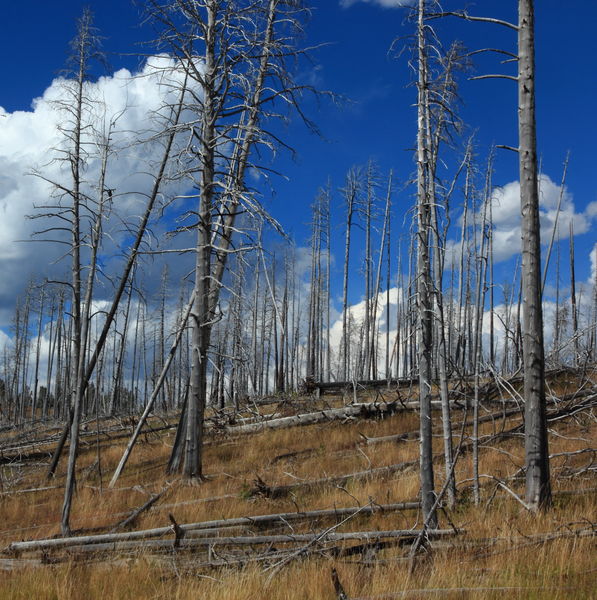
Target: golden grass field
501, 549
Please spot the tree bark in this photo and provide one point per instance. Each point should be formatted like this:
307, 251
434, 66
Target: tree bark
538, 488
424, 308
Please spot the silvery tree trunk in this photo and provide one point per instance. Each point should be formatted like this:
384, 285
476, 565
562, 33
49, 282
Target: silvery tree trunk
443, 96
313, 335
538, 489
192, 468
240, 73
83, 44
592, 345
368, 326
385, 232
350, 193
424, 308
477, 342
575, 358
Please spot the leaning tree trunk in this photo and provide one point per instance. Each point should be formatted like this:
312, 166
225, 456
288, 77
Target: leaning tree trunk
538, 490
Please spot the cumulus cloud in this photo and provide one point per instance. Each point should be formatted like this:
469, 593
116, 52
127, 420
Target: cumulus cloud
383, 3
505, 205
32, 142
506, 215
591, 210
355, 319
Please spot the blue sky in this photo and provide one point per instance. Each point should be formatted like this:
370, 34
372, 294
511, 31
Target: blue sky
379, 121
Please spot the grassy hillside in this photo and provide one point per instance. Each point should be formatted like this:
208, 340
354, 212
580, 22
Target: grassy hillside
487, 551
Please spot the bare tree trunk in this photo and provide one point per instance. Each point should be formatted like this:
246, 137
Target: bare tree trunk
388, 371
377, 288
313, 334
328, 266
424, 308
481, 271
34, 402
575, 358
193, 464
367, 325
350, 193
591, 336
538, 488
83, 48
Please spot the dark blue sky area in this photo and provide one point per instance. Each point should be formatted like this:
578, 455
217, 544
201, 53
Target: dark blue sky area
378, 120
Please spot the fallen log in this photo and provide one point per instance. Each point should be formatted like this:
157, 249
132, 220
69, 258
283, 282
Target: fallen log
362, 410
262, 489
10, 564
258, 520
29, 490
189, 542
32, 451
463, 592
321, 387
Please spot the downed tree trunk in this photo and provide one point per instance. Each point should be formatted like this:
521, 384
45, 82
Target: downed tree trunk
321, 387
257, 424
31, 451
29, 490
362, 411
192, 542
259, 520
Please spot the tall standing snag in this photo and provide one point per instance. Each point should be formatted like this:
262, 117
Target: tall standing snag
235, 53
424, 307
538, 490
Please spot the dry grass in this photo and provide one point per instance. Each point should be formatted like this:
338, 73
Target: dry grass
558, 569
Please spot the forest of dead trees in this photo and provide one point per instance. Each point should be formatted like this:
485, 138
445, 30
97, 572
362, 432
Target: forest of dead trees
259, 316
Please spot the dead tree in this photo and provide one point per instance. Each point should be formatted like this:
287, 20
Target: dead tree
366, 210
351, 193
424, 284
538, 488
574, 310
237, 55
72, 207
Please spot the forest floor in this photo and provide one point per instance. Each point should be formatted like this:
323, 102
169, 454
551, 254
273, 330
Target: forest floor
488, 549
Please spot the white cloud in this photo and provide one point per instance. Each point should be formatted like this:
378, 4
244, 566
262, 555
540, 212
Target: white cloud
4, 342
30, 140
383, 3
505, 206
591, 210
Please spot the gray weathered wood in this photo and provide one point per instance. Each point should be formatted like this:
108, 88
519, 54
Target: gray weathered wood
258, 520
206, 542
538, 488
